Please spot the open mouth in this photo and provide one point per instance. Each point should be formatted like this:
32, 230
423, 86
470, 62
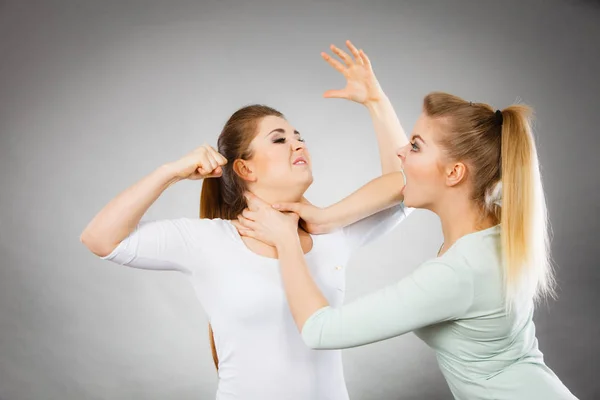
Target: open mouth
300, 161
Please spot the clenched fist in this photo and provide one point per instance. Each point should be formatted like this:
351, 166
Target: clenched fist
203, 162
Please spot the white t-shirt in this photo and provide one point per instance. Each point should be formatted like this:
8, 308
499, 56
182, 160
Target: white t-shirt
261, 353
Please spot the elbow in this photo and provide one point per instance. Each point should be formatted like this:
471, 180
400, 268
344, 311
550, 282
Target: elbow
95, 246
312, 343
312, 330
310, 339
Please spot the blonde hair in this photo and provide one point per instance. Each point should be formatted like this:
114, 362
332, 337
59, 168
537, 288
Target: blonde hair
500, 150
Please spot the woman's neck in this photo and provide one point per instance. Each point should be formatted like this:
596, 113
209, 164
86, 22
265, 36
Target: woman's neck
278, 196
461, 218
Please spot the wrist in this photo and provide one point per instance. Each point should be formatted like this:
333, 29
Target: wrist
375, 104
287, 241
331, 217
167, 174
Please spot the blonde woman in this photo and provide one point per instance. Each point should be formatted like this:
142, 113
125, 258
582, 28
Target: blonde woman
477, 169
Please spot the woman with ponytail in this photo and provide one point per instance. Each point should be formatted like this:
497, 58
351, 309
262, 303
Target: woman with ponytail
477, 169
256, 347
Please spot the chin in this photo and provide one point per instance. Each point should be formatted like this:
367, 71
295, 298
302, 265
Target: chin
309, 179
302, 177
409, 201
305, 183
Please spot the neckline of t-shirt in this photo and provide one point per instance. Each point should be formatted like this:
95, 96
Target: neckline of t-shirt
238, 239
486, 231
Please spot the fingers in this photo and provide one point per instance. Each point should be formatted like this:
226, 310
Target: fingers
341, 54
212, 162
251, 201
254, 202
205, 163
218, 157
243, 231
360, 58
217, 173
203, 169
335, 94
249, 233
216, 160
249, 215
291, 207
208, 161
247, 223
237, 225
365, 59
334, 63
355, 52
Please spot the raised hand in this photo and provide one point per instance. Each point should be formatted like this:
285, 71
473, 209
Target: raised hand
203, 162
361, 84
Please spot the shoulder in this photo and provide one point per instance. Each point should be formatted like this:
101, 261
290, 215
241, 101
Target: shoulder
476, 253
449, 283
445, 272
205, 223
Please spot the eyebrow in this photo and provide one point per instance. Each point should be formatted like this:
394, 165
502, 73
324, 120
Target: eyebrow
280, 130
418, 137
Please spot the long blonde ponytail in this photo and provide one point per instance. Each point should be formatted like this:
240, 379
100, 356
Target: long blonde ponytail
524, 219
500, 148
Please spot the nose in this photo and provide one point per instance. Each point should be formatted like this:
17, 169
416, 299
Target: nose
402, 151
298, 145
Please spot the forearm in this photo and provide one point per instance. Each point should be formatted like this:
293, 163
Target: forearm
431, 294
122, 214
377, 195
303, 295
389, 132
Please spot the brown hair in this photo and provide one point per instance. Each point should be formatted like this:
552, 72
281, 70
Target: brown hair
223, 197
499, 148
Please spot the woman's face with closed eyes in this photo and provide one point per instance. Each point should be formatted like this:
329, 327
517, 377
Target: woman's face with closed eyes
280, 159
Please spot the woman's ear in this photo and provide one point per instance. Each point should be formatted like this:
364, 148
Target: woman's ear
456, 173
243, 168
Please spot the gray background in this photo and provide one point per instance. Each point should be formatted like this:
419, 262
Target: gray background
94, 95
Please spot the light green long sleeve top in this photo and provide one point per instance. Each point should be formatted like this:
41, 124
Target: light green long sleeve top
454, 303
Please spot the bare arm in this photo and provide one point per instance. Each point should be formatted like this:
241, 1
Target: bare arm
433, 293
122, 214
376, 195
389, 132
363, 87
380, 193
